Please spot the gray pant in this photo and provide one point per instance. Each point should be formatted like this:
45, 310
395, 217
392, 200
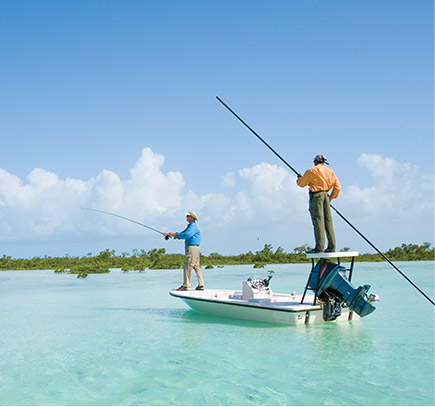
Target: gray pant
320, 211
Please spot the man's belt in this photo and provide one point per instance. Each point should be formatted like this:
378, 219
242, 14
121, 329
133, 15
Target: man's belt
317, 192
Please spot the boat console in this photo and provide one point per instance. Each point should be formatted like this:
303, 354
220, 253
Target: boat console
257, 289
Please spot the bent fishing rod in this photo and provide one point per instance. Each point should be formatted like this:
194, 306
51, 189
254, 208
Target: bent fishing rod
128, 219
338, 213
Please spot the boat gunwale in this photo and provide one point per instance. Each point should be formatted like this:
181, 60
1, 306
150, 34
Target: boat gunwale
247, 304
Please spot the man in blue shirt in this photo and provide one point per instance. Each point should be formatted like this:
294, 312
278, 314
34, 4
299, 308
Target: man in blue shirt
192, 237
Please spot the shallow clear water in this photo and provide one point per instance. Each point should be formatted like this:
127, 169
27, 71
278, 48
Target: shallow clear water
120, 339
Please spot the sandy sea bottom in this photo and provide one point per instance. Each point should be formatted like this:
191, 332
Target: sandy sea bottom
120, 339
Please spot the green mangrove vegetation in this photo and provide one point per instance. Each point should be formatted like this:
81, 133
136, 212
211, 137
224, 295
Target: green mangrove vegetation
156, 259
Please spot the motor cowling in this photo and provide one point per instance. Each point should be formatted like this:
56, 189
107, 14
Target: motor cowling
335, 288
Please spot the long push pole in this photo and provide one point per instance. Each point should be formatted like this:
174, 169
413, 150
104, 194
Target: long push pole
338, 213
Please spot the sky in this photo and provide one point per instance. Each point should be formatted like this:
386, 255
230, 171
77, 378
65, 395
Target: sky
112, 105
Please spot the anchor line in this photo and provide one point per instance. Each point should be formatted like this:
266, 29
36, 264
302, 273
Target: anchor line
338, 213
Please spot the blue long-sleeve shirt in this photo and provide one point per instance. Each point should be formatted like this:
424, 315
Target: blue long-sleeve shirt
191, 234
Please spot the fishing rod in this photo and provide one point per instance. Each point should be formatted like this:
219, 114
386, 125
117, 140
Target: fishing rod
123, 217
338, 213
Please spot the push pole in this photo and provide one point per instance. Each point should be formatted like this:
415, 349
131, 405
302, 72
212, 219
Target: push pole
384, 257
260, 138
338, 213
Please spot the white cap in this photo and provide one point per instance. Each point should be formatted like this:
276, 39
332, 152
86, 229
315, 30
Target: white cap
192, 214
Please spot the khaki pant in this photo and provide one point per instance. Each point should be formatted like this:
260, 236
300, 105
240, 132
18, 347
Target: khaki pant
191, 261
320, 211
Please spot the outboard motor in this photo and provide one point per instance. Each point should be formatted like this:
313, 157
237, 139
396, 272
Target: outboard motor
335, 289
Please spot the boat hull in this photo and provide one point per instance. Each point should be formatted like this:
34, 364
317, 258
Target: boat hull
280, 308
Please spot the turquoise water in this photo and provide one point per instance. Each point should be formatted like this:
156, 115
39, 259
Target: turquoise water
120, 339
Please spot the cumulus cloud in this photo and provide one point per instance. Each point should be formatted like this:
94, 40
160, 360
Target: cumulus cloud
272, 189
48, 206
396, 190
261, 196
261, 199
229, 180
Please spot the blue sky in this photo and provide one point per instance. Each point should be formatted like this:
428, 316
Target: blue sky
112, 105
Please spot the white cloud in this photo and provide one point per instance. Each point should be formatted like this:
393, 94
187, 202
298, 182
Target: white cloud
264, 201
47, 206
229, 180
273, 190
149, 190
397, 190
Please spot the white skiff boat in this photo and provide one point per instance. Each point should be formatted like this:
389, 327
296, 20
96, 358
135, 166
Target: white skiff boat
333, 299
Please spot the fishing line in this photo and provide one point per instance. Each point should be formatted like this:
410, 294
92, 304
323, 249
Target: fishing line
338, 213
128, 219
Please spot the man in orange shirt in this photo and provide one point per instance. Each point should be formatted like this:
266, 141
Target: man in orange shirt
320, 180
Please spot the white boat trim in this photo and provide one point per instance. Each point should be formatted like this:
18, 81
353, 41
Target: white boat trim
280, 308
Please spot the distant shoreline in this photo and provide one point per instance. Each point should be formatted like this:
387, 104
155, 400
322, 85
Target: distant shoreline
157, 259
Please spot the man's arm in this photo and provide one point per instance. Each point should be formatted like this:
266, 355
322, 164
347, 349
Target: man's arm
187, 233
170, 234
304, 180
336, 188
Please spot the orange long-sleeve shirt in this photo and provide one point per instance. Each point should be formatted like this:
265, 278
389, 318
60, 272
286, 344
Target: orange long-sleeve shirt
320, 178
